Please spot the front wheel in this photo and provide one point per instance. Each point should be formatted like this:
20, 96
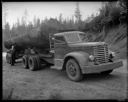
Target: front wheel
73, 70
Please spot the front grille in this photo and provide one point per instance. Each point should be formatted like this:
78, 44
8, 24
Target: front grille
101, 53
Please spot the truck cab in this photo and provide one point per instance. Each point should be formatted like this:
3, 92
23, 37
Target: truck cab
74, 53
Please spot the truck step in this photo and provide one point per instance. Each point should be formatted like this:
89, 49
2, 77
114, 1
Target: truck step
56, 67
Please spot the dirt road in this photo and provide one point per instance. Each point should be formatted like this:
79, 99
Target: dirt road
52, 84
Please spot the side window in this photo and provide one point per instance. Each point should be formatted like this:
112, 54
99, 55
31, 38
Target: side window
59, 40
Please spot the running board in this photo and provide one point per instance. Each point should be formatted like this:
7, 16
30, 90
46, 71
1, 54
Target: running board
56, 67
58, 64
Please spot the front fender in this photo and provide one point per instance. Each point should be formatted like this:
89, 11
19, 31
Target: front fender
81, 57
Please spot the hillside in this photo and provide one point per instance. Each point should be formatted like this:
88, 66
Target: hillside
116, 38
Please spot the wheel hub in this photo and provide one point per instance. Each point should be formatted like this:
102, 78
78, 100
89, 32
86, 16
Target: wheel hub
72, 69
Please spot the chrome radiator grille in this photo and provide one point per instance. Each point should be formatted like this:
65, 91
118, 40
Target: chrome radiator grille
101, 53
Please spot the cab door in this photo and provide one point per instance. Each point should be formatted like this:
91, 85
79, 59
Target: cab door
61, 48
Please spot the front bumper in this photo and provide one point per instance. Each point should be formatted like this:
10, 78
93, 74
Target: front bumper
101, 67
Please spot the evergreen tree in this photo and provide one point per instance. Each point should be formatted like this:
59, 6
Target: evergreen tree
77, 13
60, 18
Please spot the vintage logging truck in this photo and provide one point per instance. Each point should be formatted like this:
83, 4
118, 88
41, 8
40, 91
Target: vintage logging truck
70, 51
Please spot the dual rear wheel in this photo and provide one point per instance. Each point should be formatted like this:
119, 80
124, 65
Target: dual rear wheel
25, 61
31, 62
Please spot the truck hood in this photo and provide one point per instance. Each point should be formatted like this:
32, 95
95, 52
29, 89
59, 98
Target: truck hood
86, 44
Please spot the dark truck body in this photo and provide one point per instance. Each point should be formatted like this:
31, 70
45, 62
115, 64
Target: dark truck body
23, 42
28, 41
70, 51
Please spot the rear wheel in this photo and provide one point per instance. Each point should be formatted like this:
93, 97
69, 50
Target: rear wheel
73, 70
106, 72
32, 63
37, 59
25, 61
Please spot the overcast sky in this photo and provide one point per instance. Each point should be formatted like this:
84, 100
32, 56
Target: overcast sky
47, 9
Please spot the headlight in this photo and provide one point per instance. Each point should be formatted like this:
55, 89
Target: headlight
91, 57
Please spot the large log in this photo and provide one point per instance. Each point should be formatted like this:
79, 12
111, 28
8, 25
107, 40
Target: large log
28, 40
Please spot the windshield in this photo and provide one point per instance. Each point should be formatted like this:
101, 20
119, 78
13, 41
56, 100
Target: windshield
76, 37
72, 38
83, 37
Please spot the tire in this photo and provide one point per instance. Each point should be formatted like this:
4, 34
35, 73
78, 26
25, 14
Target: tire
106, 72
37, 59
73, 70
32, 63
25, 61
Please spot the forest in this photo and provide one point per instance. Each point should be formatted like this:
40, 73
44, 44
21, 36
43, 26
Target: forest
109, 25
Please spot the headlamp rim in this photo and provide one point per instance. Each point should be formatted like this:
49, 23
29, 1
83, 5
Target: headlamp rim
90, 57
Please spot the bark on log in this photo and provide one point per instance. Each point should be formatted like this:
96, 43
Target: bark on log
24, 41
